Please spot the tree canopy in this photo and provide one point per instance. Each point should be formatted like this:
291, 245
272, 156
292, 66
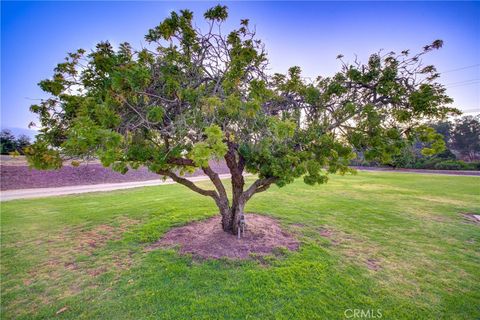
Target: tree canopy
195, 95
465, 136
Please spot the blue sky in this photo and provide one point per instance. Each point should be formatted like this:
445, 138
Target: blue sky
35, 36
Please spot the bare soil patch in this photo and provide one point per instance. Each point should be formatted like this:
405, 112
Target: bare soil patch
336, 237
373, 264
65, 247
72, 262
325, 232
206, 239
19, 176
471, 217
354, 248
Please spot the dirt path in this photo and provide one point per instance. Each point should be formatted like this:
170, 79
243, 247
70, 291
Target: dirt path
50, 192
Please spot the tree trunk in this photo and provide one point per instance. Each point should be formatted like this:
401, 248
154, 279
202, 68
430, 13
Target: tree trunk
231, 217
227, 219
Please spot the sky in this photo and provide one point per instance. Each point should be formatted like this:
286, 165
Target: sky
35, 36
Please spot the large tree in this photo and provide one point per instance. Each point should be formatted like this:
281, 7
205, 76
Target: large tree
7, 142
191, 96
465, 136
11, 145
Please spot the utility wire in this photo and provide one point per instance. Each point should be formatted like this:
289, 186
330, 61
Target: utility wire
460, 82
461, 68
463, 85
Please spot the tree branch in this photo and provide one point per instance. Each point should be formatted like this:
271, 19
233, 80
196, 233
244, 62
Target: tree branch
216, 182
258, 186
181, 162
207, 170
189, 184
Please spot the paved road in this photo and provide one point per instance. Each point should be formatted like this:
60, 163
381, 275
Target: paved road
50, 192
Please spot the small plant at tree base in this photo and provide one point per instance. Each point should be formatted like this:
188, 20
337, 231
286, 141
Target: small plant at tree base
193, 96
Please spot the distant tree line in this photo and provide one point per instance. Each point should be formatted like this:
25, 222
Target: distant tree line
462, 148
463, 136
9, 143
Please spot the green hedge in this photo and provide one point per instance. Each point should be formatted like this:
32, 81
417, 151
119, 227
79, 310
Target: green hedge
433, 164
457, 165
442, 164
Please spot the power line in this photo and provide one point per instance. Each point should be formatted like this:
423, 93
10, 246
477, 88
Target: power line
461, 68
462, 85
460, 82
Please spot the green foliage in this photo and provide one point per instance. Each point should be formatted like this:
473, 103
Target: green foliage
425, 100
218, 13
83, 137
409, 159
465, 136
282, 129
314, 174
456, 165
210, 104
430, 146
41, 156
155, 114
130, 78
212, 148
429, 135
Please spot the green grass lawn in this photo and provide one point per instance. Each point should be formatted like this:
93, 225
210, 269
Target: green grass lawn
397, 243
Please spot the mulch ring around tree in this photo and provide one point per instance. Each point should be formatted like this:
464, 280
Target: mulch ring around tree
206, 239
